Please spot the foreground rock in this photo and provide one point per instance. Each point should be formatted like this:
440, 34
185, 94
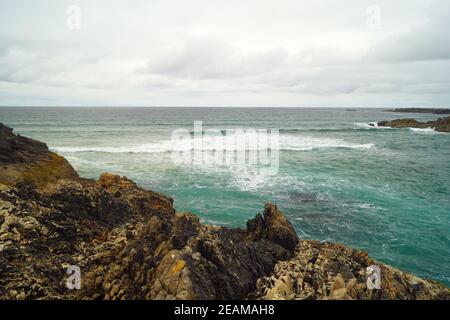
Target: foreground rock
130, 243
332, 271
441, 124
24, 160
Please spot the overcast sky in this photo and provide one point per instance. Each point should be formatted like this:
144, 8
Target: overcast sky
225, 53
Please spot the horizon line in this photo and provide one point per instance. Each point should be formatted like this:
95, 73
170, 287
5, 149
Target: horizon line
266, 107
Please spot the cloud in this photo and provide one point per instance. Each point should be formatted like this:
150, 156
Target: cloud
206, 59
251, 53
428, 41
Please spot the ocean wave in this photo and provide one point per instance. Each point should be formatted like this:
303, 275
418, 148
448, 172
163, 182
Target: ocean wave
329, 130
144, 148
374, 125
423, 130
260, 183
369, 125
313, 143
232, 142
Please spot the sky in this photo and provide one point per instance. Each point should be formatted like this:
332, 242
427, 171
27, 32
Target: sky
246, 53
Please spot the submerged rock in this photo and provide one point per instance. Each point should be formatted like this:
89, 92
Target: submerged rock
441, 124
130, 243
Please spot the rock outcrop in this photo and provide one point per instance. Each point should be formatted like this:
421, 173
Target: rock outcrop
130, 243
24, 160
441, 124
421, 110
330, 271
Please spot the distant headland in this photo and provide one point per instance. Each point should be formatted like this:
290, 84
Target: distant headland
421, 110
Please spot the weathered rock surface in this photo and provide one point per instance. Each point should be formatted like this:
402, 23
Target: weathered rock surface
330, 271
441, 124
130, 243
26, 160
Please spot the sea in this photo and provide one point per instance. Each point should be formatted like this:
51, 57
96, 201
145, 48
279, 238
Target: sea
337, 177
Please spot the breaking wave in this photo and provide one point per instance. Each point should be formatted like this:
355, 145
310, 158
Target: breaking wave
232, 142
423, 130
370, 125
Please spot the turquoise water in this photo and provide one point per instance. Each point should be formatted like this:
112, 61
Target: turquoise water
382, 190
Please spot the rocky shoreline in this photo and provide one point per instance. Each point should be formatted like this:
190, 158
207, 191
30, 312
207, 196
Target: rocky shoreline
440, 125
130, 243
421, 110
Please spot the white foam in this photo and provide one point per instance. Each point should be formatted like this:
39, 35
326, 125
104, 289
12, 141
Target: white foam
249, 182
364, 125
237, 141
370, 125
160, 147
423, 130
311, 143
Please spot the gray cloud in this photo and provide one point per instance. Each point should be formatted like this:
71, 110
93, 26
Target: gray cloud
206, 59
252, 53
428, 41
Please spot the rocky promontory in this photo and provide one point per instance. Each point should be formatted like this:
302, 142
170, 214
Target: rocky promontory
26, 160
421, 110
441, 124
130, 243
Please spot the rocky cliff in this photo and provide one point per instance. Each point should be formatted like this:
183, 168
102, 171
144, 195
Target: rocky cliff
441, 124
29, 161
130, 243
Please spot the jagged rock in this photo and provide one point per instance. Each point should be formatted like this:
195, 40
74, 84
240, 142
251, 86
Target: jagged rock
274, 226
281, 290
334, 272
129, 244
441, 124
